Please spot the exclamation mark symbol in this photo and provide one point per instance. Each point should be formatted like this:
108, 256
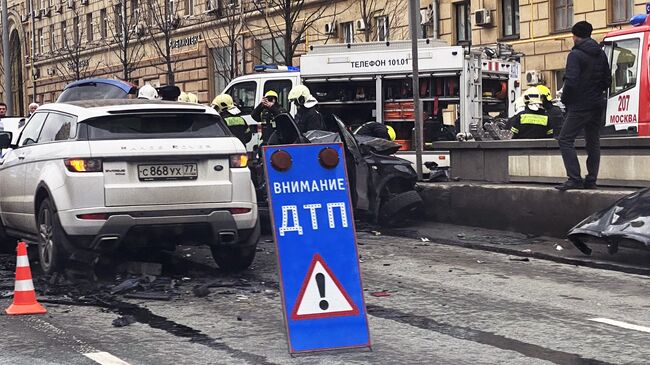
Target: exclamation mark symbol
320, 281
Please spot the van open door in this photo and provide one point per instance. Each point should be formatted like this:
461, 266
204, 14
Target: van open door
623, 97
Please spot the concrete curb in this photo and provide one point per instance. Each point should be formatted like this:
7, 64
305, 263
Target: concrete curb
532, 209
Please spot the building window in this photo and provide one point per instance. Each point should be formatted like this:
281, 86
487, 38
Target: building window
119, 20
563, 12
89, 27
510, 21
347, 32
622, 10
103, 23
222, 67
189, 7
559, 80
382, 28
135, 12
52, 38
461, 14
64, 32
41, 42
76, 31
272, 51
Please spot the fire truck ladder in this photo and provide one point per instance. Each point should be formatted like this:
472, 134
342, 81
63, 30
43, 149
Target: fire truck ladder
474, 109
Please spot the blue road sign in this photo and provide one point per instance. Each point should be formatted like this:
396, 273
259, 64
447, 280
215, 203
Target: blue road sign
309, 200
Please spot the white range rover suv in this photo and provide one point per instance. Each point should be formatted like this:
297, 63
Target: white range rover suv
90, 177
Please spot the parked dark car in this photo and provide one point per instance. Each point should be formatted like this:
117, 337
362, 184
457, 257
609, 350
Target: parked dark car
382, 185
626, 224
97, 88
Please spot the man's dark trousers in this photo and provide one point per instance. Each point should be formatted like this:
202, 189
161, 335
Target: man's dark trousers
590, 121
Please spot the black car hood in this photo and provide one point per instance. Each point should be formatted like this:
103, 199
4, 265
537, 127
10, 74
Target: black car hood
366, 143
628, 218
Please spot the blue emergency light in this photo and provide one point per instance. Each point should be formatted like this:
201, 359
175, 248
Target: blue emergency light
275, 68
638, 19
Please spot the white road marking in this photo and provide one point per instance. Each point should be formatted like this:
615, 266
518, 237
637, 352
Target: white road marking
105, 358
616, 323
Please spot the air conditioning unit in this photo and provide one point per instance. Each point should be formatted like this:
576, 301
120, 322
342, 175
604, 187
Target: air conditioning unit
360, 25
533, 77
140, 29
482, 17
425, 16
330, 28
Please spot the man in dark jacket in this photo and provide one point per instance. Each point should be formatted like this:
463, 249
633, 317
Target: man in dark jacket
265, 113
307, 117
586, 79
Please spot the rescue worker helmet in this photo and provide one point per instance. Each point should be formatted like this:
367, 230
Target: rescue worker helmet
223, 102
184, 97
544, 92
147, 92
271, 94
192, 98
391, 133
532, 96
299, 94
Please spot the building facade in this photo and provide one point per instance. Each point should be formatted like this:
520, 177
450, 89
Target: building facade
201, 44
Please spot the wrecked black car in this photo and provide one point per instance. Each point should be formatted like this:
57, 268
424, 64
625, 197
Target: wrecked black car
624, 224
382, 185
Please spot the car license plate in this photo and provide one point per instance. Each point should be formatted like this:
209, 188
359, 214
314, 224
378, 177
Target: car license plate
181, 171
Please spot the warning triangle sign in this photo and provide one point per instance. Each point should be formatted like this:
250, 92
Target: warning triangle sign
321, 295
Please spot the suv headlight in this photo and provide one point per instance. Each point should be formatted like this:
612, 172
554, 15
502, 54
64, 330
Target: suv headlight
83, 164
238, 160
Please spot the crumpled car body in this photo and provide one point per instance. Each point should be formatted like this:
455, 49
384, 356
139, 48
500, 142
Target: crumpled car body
383, 185
626, 223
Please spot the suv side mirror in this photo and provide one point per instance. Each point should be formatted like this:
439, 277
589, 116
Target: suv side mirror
5, 139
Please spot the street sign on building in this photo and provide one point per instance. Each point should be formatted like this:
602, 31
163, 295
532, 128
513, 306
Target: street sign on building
322, 295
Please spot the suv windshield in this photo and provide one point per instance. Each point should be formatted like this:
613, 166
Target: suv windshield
92, 91
150, 126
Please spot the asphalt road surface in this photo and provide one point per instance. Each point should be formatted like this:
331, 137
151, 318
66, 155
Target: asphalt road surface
427, 304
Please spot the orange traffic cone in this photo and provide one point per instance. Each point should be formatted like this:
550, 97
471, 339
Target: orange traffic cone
24, 294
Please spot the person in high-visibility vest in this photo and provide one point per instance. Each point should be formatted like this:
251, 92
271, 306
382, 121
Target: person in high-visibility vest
265, 113
533, 121
224, 104
555, 115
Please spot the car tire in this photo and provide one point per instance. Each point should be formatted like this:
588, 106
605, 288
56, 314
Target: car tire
7, 244
239, 257
51, 238
399, 207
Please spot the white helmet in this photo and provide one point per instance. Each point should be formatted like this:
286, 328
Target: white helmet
148, 92
301, 95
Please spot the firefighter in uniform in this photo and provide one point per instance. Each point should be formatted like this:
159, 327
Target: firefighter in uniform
265, 113
533, 121
307, 117
377, 130
224, 104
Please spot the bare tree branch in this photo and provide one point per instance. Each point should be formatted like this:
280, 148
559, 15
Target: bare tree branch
124, 30
163, 23
73, 64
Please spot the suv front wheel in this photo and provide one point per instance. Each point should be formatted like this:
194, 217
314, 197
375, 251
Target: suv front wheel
51, 253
